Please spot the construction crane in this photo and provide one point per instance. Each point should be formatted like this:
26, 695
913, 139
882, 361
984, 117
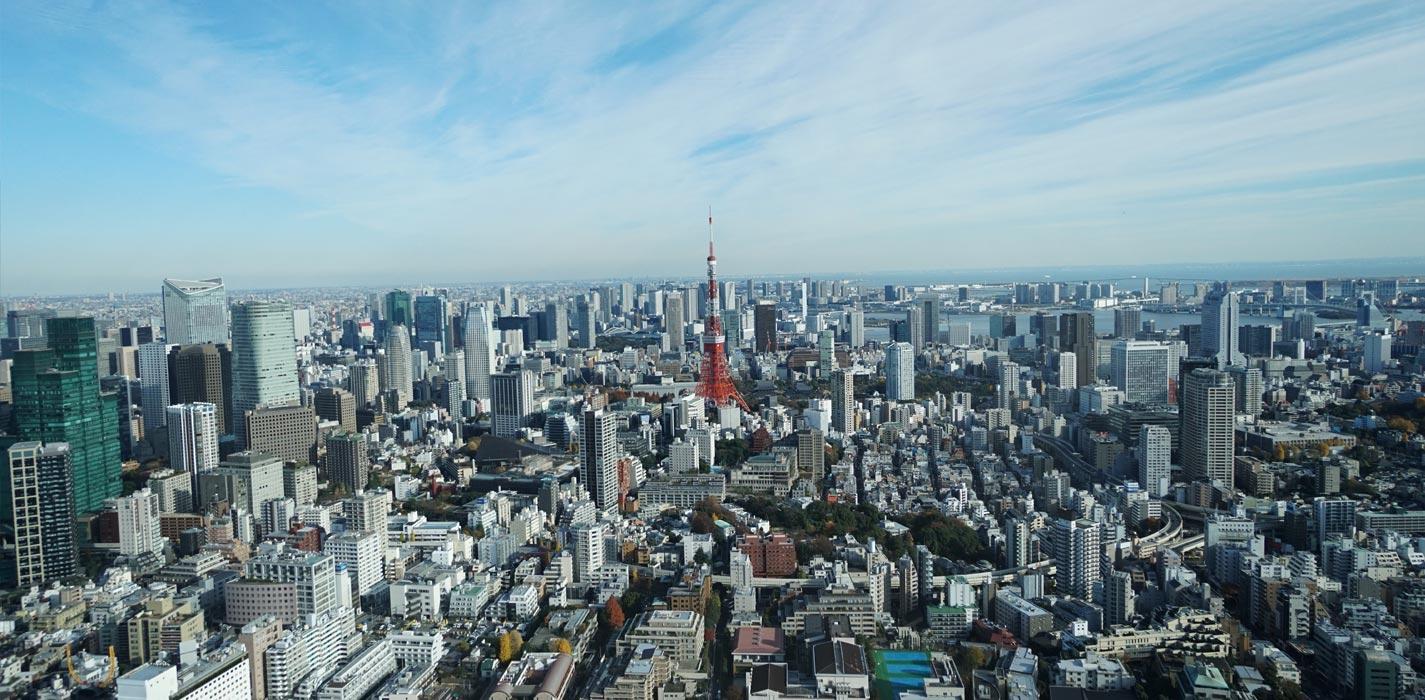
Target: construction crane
108, 679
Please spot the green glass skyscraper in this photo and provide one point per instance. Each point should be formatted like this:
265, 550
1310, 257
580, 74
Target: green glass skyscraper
57, 399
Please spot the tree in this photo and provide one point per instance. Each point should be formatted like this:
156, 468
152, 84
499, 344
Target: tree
1403, 424
561, 645
507, 648
516, 642
702, 523
613, 613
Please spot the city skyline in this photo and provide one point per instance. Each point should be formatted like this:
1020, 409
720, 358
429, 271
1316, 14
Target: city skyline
1179, 135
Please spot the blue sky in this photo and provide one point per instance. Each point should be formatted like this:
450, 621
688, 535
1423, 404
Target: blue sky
287, 144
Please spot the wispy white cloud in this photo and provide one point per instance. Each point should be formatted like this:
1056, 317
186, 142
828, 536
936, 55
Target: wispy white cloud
515, 138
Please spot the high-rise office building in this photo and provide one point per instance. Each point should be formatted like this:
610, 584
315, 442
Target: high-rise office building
856, 328
1077, 335
598, 458
397, 309
153, 370
930, 318
244, 480
347, 462
1127, 322
1375, 354
286, 432
826, 352
28, 324
588, 311
1208, 421
364, 382
37, 510
1142, 369
843, 402
900, 372
57, 399
395, 366
1003, 326
674, 321
432, 319
1220, 319
556, 319
264, 360
140, 532
764, 326
202, 374
193, 440
1155, 454
195, 311
1077, 557
337, 405
479, 354
512, 401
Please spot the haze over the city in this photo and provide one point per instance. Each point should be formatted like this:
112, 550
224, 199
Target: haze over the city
534, 141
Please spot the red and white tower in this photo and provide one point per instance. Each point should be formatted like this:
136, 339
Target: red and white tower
714, 380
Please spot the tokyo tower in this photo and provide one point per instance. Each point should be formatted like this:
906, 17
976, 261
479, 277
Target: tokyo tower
714, 381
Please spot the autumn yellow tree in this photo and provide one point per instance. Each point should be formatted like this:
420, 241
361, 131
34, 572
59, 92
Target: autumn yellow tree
516, 643
561, 645
506, 650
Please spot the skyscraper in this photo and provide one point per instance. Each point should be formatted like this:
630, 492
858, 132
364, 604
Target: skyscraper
153, 370
364, 382
397, 309
930, 318
512, 401
57, 399
195, 311
1375, 354
1142, 369
1007, 389
202, 374
673, 320
856, 333
598, 458
346, 461
193, 440
900, 372
556, 316
764, 325
395, 366
264, 360
588, 321
37, 508
1127, 321
1076, 335
826, 352
1250, 387
139, 530
915, 325
843, 403
1208, 420
432, 319
337, 405
1219, 326
479, 354
1077, 555
1155, 453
